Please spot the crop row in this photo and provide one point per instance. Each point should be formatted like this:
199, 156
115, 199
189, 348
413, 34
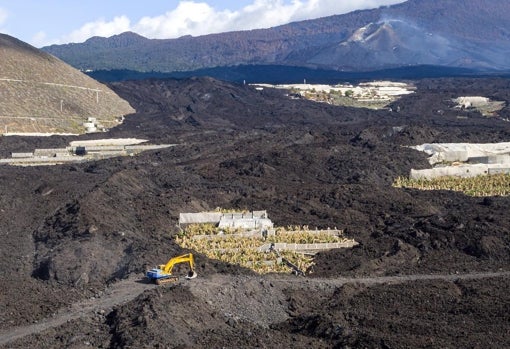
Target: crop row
225, 242
261, 262
493, 185
243, 250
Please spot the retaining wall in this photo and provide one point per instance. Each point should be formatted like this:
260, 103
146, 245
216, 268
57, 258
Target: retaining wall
463, 171
228, 218
282, 246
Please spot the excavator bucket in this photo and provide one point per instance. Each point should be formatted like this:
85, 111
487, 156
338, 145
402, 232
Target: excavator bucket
191, 275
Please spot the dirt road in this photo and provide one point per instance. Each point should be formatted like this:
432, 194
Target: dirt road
119, 293
126, 290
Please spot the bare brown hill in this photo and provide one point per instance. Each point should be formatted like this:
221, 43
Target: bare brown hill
41, 94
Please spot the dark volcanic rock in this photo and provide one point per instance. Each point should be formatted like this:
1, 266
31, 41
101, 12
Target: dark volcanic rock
68, 231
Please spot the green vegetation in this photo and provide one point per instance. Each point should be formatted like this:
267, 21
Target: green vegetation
356, 103
346, 99
493, 185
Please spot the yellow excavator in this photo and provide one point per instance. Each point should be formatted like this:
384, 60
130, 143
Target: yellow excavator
163, 274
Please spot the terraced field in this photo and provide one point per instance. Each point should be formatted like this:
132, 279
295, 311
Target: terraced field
261, 253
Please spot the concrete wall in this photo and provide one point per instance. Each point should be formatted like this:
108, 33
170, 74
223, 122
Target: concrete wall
51, 152
85, 150
313, 248
502, 170
245, 223
477, 159
228, 218
451, 152
473, 101
106, 142
457, 171
22, 155
463, 171
200, 218
491, 160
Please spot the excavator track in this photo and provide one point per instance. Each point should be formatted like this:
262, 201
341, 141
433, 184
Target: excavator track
168, 280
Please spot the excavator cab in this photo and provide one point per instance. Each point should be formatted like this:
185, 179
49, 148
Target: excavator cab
163, 274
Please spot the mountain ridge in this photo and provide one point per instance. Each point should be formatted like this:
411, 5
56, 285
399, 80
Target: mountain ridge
462, 33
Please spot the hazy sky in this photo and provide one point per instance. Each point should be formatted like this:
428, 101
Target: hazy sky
44, 22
